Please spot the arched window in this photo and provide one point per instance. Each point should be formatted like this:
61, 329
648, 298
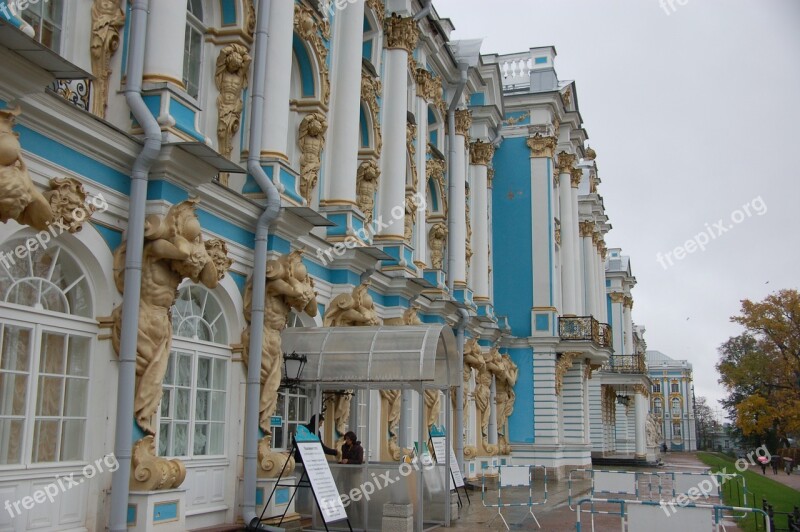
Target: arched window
46, 18
676, 406
193, 407
47, 329
193, 47
657, 406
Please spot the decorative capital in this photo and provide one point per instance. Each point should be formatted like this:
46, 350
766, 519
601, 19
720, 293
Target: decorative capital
642, 389
628, 302
617, 297
481, 152
542, 146
596, 236
463, 121
591, 155
586, 229
401, 33
566, 161
576, 174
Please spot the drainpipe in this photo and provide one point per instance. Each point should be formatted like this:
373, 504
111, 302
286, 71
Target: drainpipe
271, 212
426, 8
464, 315
123, 439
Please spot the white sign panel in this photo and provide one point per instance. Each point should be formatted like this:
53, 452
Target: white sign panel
319, 473
440, 448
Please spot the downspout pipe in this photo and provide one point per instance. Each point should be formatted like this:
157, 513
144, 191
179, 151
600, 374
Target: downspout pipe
426, 8
271, 212
123, 439
451, 243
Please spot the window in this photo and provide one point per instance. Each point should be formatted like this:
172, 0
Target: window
45, 342
675, 388
46, 18
293, 406
657, 407
193, 47
193, 407
676, 430
657, 387
676, 406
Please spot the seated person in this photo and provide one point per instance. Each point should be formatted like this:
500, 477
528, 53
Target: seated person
352, 451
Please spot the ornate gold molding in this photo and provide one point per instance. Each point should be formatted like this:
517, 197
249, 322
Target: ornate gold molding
617, 297
542, 146
628, 302
463, 122
437, 237
435, 169
642, 389
490, 178
566, 161
311, 140
516, 120
250, 18
557, 226
401, 33
230, 77
429, 87
593, 185
563, 364
377, 7
315, 31
575, 177
366, 186
567, 96
108, 19
481, 153
371, 88
586, 228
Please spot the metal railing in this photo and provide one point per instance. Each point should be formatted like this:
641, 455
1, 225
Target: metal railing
584, 328
626, 364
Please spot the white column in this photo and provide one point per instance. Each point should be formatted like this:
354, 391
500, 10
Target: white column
619, 328
401, 39
590, 269
626, 312
481, 154
640, 403
568, 235
542, 213
575, 180
163, 57
279, 79
420, 241
601, 289
457, 203
345, 104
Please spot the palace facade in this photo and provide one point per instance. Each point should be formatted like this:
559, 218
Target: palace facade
420, 182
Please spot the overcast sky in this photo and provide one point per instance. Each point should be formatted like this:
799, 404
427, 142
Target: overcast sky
693, 115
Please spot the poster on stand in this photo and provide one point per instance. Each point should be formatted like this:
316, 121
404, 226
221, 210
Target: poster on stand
320, 476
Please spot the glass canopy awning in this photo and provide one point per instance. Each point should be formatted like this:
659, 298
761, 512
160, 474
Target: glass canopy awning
378, 357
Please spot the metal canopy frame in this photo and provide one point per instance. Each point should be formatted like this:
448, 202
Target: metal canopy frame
400, 357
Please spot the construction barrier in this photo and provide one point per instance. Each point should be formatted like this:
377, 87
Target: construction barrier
514, 476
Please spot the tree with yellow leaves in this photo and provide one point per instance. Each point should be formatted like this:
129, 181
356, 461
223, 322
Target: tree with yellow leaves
761, 368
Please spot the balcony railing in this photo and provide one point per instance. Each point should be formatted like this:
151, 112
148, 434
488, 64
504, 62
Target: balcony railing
625, 364
584, 328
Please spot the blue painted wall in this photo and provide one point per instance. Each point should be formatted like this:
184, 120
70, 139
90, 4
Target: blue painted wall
522, 420
513, 236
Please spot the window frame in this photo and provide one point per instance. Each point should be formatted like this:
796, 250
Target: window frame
38, 10
194, 24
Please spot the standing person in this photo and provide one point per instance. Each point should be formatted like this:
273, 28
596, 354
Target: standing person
763, 461
313, 426
775, 462
352, 451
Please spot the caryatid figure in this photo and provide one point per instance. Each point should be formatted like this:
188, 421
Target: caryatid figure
174, 250
288, 287
230, 77
349, 310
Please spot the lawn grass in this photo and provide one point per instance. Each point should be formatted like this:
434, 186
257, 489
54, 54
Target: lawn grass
781, 497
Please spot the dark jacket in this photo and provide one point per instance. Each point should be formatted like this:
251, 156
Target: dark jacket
354, 454
312, 428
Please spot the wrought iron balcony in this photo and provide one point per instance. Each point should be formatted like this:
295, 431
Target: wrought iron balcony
584, 329
75, 91
625, 364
